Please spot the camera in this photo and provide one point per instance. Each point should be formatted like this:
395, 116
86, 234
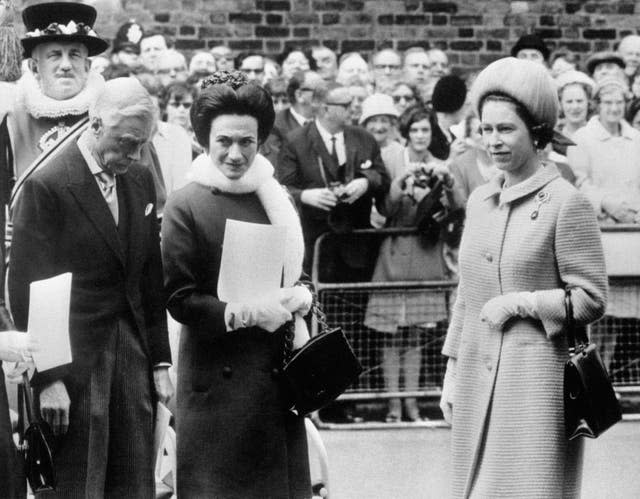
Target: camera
338, 189
422, 178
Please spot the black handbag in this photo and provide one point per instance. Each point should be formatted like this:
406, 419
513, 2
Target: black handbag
35, 443
590, 403
319, 372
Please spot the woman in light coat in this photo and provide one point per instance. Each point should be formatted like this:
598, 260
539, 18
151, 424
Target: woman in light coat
407, 320
528, 236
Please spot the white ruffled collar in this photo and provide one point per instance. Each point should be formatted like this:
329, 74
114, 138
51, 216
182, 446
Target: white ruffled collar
41, 106
275, 200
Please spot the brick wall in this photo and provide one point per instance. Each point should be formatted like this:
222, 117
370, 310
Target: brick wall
473, 32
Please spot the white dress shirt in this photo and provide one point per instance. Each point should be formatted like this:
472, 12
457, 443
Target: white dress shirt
94, 167
340, 146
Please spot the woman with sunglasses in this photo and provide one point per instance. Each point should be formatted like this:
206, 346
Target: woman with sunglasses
175, 105
404, 96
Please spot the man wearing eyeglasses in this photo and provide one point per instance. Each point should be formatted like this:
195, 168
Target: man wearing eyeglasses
334, 171
387, 68
300, 92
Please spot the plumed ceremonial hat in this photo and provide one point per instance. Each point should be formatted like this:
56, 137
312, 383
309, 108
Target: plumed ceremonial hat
128, 37
61, 22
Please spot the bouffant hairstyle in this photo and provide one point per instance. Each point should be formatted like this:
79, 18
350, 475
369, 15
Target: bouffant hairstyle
439, 146
227, 92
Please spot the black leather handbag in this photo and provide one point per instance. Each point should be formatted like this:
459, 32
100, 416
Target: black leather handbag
35, 443
319, 372
590, 403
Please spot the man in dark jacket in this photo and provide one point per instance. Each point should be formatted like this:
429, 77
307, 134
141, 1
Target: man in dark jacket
300, 92
334, 172
92, 212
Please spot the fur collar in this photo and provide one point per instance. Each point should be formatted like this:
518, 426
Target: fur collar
274, 198
41, 106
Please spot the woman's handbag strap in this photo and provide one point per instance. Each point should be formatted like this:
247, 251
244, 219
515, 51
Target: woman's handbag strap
576, 336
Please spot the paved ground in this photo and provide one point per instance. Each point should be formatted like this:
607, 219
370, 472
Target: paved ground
413, 463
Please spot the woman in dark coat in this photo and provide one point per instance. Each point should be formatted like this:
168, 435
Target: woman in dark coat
236, 437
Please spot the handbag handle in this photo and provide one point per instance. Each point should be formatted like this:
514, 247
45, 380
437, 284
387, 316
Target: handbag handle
577, 337
25, 404
289, 332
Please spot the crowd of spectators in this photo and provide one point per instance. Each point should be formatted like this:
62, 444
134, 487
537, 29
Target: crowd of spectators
596, 146
331, 108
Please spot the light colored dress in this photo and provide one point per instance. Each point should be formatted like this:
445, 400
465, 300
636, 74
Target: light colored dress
404, 258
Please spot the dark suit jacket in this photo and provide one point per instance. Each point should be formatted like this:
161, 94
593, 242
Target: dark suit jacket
299, 165
61, 223
284, 123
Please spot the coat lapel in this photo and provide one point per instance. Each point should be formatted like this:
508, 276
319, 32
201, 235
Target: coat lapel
352, 152
85, 190
317, 144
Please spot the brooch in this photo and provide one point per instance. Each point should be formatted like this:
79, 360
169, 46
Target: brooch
541, 198
365, 165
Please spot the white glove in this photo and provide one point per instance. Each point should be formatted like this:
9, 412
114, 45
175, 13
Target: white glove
268, 314
448, 390
296, 299
16, 346
500, 309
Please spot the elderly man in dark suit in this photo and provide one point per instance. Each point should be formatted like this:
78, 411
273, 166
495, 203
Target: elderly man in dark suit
334, 171
91, 212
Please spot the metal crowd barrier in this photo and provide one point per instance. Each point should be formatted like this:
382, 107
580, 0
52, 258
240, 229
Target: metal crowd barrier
354, 306
351, 306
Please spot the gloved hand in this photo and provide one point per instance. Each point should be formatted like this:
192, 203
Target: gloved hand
448, 389
268, 314
16, 346
296, 299
500, 309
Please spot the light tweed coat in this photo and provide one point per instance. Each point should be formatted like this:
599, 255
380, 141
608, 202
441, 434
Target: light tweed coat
508, 430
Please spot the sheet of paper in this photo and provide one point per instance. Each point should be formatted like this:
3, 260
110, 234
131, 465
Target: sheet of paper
49, 302
163, 418
252, 261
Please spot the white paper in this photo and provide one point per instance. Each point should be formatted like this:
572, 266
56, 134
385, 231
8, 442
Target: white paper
252, 261
49, 302
163, 417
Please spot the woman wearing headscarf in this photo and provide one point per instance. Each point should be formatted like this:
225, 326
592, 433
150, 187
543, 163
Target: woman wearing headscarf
236, 437
528, 236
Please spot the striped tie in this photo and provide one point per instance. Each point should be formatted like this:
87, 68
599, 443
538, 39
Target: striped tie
107, 185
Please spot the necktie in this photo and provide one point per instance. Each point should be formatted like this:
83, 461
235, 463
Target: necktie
107, 185
334, 151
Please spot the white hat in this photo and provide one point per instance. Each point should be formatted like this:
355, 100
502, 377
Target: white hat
376, 105
527, 82
612, 81
570, 77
